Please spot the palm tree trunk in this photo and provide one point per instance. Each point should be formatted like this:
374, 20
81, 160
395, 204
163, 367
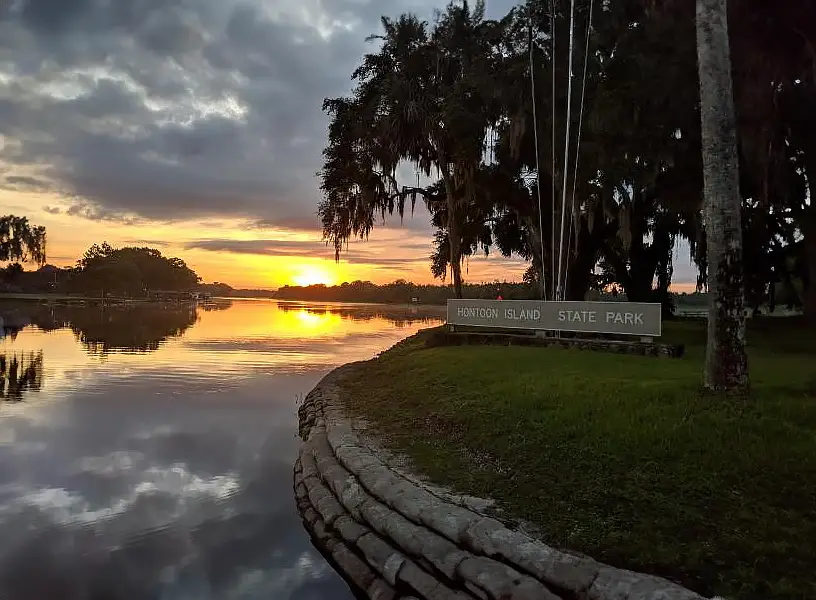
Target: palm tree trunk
726, 361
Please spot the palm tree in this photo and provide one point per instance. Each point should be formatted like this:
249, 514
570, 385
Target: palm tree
726, 361
425, 98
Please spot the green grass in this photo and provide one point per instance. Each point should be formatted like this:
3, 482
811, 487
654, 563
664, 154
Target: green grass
620, 457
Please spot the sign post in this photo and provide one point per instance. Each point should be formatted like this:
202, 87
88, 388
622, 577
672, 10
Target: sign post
640, 319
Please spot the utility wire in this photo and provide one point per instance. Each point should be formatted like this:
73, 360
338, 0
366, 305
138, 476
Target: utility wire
580, 131
560, 290
538, 162
552, 148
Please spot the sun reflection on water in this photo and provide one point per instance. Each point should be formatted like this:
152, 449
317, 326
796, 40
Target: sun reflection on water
312, 322
77, 346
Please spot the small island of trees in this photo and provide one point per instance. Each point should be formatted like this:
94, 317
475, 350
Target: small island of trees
130, 272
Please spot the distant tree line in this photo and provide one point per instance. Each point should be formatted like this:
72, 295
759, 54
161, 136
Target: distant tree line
217, 289
405, 292
401, 291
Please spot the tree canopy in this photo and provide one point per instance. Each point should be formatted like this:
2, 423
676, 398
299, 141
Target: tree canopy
453, 98
130, 271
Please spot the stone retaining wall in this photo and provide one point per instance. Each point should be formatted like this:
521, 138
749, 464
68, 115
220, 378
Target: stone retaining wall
392, 537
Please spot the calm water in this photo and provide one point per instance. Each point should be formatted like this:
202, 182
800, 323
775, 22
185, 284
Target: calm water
148, 453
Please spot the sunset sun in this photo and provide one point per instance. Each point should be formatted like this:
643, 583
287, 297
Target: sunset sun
313, 275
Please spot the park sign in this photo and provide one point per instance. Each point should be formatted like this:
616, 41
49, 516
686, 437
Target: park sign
622, 318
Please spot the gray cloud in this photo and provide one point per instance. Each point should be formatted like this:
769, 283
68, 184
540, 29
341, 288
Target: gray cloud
264, 247
304, 222
312, 249
25, 183
179, 109
21, 180
92, 212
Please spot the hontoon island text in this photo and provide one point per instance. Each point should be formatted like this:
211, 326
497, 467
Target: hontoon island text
564, 316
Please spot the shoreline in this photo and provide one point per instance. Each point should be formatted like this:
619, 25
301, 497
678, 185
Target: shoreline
79, 299
393, 536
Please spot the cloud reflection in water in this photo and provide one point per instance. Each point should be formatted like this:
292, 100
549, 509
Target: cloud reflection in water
166, 472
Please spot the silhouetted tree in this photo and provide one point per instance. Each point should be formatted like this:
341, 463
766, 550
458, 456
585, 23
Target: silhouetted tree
130, 271
21, 241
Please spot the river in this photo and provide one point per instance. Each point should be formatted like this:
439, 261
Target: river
146, 453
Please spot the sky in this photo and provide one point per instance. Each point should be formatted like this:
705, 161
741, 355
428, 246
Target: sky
195, 127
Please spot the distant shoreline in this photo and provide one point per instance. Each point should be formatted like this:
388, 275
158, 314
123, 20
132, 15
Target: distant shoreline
68, 298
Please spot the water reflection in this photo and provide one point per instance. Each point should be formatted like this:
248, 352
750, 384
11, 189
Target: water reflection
20, 373
155, 459
217, 304
131, 328
103, 329
398, 315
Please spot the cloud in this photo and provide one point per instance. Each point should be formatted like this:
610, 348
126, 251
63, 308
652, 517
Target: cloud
149, 243
25, 183
263, 247
92, 212
22, 180
179, 109
295, 223
370, 255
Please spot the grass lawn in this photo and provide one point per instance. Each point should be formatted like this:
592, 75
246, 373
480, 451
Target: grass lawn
620, 457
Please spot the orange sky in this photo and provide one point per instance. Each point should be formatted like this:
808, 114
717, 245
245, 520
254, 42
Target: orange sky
391, 253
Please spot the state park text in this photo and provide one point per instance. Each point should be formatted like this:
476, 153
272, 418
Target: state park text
564, 316
628, 318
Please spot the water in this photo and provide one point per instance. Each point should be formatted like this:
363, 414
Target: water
147, 453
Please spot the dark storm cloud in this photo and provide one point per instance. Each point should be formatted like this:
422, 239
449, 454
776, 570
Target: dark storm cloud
171, 109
